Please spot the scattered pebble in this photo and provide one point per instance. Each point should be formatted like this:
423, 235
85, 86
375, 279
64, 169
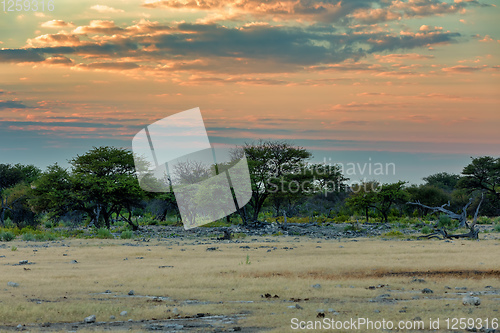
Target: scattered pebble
90, 319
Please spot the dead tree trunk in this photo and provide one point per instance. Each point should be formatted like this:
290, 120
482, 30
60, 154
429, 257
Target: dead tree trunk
462, 218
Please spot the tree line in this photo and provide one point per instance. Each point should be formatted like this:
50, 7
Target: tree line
100, 186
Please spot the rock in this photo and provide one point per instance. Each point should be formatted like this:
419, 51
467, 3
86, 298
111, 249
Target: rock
175, 311
418, 280
427, 291
297, 306
107, 291
316, 286
112, 317
23, 262
460, 288
212, 248
19, 327
376, 311
131, 293
13, 284
471, 300
123, 313
90, 319
74, 262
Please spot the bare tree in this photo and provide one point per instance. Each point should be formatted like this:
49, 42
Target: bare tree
441, 233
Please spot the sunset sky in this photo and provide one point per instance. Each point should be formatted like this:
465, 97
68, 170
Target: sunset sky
413, 82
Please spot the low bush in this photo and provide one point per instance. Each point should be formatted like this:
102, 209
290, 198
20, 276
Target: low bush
393, 233
127, 234
104, 233
7, 236
426, 230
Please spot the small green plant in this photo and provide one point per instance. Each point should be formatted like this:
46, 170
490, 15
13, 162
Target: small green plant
247, 261
48, 224
279, 233
104, 233
497, 227
426, 230
353, 227
127, 234
8, 223
7, 236
393, 233
13, 248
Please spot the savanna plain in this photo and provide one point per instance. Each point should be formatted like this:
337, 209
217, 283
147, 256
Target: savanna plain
252, 284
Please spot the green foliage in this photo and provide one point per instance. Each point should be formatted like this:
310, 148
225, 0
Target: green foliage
443, 180
426, 230
354, 227
28, 237
445, 221
247, 261
13, 248
7, 236
484, 220
127, 234
270, 163
104, 233
497, 227
393, 233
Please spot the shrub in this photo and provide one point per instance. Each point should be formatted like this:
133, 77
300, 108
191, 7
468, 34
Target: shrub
127, 234
353, 227
7, 236
393, 233
28, 237
446, 221
104, 233
13, 248
484, 220
497, 227
48, 224
426, 230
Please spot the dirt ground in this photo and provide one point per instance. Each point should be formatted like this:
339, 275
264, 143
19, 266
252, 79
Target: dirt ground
252, 284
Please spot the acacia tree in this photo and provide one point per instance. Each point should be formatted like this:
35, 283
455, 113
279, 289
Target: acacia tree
377, 196
11, 199
104, 183
362, 197
268, 162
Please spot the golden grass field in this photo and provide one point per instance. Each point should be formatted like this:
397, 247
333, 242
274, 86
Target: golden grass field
232, 280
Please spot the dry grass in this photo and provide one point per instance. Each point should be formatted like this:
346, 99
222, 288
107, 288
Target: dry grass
55, 290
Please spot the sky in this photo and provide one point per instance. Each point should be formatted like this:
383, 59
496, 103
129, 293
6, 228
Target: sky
413, 83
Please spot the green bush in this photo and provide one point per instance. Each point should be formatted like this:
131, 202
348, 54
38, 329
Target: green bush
446, 221
48, 224
28, 237
484, 220
353, 227
426, 230
497, 227
104, 233
393, 233
7, 236
127, 234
